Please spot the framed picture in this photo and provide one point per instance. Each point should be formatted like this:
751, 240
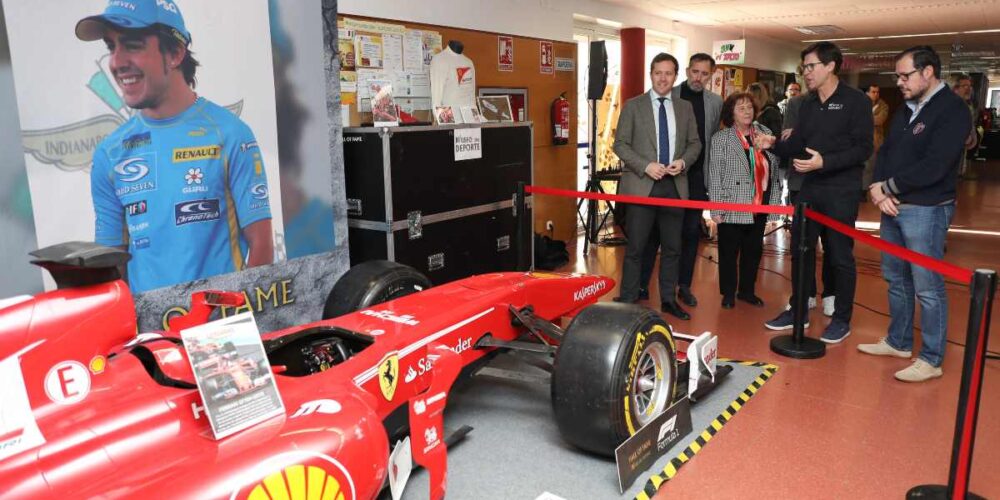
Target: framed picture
444, 115
496, 108
471, 114
384, 112
518, 98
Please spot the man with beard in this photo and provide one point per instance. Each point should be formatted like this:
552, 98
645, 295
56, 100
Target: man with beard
707, 107
791, 92
962, 85
915, 176
832, 140
181, 185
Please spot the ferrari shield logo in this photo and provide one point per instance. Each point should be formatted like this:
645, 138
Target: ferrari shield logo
388, 373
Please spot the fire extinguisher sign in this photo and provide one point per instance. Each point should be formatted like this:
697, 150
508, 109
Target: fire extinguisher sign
547, 61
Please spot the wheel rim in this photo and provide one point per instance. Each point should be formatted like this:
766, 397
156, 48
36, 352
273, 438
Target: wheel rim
650, 391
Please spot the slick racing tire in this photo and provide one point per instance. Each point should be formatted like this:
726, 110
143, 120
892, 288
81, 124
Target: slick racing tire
615, 371
370, 283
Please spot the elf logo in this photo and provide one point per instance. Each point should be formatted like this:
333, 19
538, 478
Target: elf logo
137, 208
464, 75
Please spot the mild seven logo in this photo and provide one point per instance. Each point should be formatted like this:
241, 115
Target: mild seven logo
132, 169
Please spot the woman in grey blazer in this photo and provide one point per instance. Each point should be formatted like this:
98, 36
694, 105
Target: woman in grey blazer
738, 172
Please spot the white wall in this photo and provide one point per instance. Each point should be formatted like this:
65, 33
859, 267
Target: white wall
535, 18
553, 19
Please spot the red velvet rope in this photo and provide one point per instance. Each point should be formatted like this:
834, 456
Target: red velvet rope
939, 266
950, 270
664, 202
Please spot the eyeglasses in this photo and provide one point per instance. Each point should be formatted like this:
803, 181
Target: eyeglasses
906, 76
744, 108
808, 68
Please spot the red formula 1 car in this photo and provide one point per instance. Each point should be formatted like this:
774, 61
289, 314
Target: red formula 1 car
88, 408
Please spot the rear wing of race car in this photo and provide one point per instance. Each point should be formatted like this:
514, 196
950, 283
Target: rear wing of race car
80, 263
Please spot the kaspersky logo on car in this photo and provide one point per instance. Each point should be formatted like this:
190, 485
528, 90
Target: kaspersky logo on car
71, 146
310, 475
589, 290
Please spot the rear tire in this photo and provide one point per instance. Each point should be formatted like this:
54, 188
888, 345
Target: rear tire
371, 283
615, 371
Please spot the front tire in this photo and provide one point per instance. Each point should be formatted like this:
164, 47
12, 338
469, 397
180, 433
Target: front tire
614, 372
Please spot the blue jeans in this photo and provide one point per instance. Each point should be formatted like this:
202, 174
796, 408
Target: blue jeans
921, 229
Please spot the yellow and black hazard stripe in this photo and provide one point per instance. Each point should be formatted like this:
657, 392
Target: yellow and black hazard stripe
714, 427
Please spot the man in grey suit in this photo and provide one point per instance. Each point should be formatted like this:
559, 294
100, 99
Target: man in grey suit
657, 138
707, 107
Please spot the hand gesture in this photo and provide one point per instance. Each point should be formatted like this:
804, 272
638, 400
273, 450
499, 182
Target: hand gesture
763, 141
675, 167
656, 171
815, 162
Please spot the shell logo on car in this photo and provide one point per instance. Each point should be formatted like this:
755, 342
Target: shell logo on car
314, 476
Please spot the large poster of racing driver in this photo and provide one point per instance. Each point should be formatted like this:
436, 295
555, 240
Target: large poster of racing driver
150, 125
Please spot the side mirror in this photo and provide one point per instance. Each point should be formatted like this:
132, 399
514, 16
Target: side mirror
202, 305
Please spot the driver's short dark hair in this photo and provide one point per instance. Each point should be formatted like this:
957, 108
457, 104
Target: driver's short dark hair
170, 44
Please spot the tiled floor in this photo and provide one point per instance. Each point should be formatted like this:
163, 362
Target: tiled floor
840, 426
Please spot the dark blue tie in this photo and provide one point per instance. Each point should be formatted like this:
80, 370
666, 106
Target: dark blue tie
664, 134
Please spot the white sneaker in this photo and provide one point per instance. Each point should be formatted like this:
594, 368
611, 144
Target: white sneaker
828, 305
919, 371
812, 305
882, 348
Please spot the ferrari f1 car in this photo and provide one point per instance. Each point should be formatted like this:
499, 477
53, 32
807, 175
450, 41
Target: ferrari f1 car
88, 408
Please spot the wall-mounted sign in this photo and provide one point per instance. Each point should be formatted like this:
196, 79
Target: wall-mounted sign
545, 57
505, 53
565, 64
729, 51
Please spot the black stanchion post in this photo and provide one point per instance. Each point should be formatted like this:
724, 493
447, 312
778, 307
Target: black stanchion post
797, 345
523, 243
984, 285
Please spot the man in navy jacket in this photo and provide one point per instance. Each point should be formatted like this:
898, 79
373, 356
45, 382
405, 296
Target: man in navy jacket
916, 171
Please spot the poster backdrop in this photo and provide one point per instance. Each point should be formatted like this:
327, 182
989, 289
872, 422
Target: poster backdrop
68, 100
252, 62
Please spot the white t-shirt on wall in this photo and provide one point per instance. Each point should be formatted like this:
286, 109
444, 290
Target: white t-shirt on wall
453, 80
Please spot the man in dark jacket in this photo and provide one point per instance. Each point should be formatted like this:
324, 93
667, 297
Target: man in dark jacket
828, 148
915, 175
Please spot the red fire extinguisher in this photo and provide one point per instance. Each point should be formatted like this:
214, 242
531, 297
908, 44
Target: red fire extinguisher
560, 120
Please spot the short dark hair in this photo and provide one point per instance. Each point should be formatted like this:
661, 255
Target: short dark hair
170, 44
826, 52
794, 83
701, 56
960, 77
663, 56
729, 107
870, 85
923, 56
